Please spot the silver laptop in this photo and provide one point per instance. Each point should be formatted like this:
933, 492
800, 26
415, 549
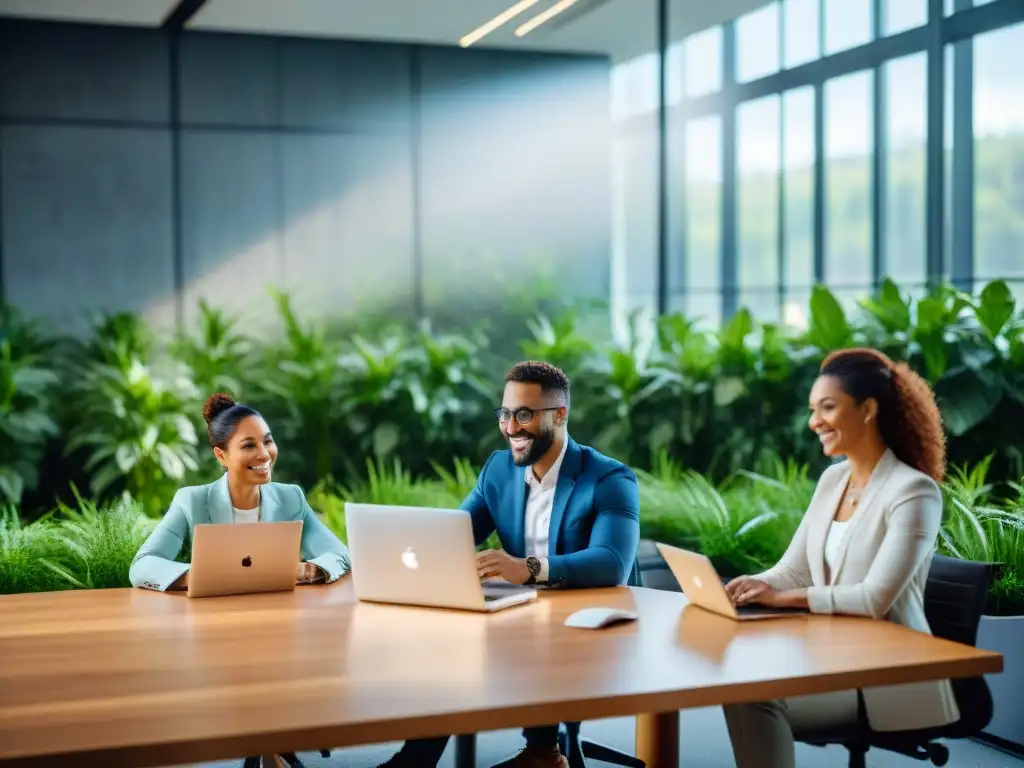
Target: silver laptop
421, 556
234, 559
704, 588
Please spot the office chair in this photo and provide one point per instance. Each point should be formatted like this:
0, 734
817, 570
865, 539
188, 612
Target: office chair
955, 597
576, 748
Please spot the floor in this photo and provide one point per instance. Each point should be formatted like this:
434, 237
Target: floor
703, 740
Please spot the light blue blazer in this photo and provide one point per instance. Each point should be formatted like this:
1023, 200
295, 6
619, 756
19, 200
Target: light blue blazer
595, 516
154, 566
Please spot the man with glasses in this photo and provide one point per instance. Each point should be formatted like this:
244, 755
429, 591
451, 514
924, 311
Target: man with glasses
566, 515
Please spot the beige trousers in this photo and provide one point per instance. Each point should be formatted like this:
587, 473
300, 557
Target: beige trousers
762, 733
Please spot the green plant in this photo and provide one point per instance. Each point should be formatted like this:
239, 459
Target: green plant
99, 544
134, 431
300, 393
28, 390
744, 525
392, 485
26, 555
218, 356
977, 527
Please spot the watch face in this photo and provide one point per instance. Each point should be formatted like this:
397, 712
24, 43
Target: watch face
534, 565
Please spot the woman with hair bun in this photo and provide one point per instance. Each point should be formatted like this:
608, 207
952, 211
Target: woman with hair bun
243, 445
863, 548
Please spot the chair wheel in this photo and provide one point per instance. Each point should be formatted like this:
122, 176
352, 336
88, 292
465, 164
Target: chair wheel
938, 754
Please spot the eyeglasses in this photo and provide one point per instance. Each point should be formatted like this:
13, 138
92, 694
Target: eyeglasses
521, 415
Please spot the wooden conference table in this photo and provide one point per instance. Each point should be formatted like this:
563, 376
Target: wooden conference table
137, 678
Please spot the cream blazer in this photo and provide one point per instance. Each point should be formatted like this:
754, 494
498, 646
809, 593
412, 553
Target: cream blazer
880, 571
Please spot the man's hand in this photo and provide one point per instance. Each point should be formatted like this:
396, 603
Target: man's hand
497, 563
181, 582
744, 590
307, 573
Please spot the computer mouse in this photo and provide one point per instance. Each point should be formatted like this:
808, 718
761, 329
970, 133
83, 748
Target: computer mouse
598, 618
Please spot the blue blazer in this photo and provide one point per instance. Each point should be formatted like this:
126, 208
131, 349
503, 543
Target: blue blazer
154, 566
595, 516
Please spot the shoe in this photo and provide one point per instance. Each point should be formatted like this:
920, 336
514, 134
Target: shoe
537, 757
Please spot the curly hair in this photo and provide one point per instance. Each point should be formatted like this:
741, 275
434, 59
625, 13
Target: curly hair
908, 416
550, 378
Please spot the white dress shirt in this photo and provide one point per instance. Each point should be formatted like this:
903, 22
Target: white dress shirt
539, 501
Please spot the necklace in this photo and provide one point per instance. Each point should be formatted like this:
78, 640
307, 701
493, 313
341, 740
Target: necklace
853, 495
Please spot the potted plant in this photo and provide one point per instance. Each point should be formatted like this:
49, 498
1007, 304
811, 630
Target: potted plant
977, 527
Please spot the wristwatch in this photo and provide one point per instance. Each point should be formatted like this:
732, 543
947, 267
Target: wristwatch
534, 565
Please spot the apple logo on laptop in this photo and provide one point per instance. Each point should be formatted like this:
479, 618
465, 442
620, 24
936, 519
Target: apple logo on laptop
409, 559
698, 583
246, 561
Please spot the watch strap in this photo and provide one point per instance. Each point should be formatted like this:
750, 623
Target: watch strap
534, 566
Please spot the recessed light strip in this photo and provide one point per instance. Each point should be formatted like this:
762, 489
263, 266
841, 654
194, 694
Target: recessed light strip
545, 16
502, 18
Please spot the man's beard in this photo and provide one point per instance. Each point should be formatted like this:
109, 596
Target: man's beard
539, 444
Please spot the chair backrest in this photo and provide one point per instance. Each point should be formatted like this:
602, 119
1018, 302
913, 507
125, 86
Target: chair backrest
955, 597
954, 601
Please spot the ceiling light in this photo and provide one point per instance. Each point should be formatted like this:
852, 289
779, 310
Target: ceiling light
502, 18
546, 16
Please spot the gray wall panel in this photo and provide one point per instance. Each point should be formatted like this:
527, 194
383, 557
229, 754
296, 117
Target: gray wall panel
87, 222
296, 170
485, 91
515, 176
83, 73
348, 238
345, 86
231, 241
229, 79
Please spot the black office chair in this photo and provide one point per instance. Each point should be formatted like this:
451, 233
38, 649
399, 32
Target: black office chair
955, 598
576, 748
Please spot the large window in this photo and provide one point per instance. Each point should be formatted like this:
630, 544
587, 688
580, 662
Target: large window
703, 247
901, 15
802, 31
999, 154
757, 43
848, 148
633, 160
758, 162
799, 152
798, 196
702, 62
847, 24
904, 194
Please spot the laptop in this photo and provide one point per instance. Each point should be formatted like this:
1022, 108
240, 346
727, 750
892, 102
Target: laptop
421, 556
242, 559
704, 588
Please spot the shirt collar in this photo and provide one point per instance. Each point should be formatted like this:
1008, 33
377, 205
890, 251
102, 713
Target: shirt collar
551, 476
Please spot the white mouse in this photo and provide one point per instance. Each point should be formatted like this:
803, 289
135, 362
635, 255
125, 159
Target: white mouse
597, 618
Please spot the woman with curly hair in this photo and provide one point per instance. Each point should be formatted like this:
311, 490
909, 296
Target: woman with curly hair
863, 548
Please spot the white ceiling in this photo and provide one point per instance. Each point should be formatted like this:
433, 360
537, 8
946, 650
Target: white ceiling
620, 28
133, 12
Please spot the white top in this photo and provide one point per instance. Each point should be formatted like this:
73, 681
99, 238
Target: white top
836, 531
247, 515
539, 502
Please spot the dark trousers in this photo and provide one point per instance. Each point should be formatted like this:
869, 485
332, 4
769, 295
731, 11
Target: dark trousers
427, 752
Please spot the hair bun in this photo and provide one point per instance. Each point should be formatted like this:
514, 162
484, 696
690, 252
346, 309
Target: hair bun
216, 403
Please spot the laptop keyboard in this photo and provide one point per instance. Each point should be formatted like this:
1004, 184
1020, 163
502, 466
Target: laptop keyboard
497, 592
760, 610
